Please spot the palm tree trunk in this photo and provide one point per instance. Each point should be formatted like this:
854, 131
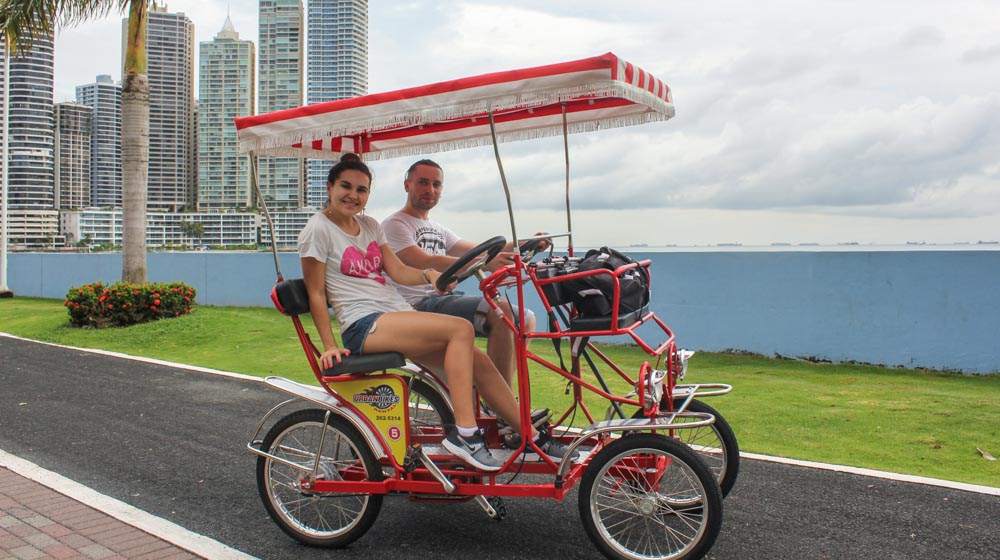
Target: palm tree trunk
135, 146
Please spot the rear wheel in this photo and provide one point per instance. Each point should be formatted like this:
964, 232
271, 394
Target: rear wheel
648, 496
317, 519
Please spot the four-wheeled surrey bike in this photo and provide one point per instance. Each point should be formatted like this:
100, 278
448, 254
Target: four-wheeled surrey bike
653, 466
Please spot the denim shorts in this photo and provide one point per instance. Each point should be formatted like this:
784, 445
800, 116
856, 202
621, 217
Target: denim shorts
471, 308
356, 334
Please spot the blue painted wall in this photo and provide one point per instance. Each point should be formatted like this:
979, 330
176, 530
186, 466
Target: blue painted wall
936, 309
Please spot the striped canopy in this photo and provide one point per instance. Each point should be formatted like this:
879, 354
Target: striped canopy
600, 92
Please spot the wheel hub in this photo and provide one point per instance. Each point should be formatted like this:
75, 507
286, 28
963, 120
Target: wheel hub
647, 506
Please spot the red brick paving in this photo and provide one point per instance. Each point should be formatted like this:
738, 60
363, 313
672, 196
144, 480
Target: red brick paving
38, 522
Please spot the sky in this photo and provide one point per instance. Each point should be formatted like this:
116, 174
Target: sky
847, 121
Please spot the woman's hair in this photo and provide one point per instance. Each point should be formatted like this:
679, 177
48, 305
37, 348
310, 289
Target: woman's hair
347, 162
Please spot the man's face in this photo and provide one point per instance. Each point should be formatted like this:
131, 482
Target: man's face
424, 186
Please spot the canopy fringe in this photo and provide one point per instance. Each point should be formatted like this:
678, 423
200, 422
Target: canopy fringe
280, 143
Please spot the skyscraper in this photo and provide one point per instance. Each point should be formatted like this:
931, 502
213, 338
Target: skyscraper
280, 87
104, 96
170, 66
30, 125
74, 127
337, 66
227, 71
31, 217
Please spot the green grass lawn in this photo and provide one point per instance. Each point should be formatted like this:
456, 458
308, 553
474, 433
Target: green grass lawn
913, 422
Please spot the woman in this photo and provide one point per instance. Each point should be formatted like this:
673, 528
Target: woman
345, 258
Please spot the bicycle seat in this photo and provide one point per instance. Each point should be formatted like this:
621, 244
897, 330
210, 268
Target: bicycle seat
366, 363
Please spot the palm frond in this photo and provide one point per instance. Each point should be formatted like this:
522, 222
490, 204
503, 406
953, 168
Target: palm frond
21, 21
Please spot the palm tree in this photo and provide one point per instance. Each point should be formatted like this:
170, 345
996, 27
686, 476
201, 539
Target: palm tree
22, 20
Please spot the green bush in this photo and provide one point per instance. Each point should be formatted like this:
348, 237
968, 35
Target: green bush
122, 303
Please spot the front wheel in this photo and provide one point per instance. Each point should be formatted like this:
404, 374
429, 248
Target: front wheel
649, 497
330, 520
715, 444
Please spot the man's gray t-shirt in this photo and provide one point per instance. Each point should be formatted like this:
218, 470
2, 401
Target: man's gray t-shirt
403, 230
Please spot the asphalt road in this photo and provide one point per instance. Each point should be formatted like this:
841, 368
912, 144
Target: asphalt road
171, 442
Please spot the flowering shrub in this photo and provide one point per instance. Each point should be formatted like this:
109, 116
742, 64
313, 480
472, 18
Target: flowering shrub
122, 303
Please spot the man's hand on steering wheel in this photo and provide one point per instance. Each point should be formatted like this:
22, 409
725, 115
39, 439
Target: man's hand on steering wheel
532, 247
501, 260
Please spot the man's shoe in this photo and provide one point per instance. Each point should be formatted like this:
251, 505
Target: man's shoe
550, 447
473, 450
539, 417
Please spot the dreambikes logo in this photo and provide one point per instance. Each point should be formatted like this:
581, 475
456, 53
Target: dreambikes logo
381, 397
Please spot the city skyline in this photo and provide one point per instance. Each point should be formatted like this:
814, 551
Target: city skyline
828, 122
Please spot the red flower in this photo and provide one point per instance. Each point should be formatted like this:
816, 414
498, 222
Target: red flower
156, 302
152, 307
135, 292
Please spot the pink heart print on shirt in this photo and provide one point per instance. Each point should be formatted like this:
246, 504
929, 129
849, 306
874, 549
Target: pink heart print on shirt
353, 263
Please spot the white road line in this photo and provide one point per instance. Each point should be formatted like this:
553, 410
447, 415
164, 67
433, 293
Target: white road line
141, 359
156, 526
877, 474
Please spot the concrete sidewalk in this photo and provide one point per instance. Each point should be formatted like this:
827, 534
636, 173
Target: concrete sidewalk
38, 522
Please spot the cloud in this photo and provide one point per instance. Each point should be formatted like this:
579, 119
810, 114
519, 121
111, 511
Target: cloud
922, 36
982, 54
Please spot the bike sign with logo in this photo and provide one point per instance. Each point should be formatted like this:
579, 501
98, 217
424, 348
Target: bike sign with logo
383, 400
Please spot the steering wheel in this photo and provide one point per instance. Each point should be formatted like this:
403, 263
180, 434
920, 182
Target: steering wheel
490, 247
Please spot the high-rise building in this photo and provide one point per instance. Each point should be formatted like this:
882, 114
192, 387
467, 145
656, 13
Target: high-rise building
226, 80
336, 68
104, 96
30, 126
72, 155
170, 67
280, 86
31, 217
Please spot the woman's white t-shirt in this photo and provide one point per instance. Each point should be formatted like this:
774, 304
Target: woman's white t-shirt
356, 284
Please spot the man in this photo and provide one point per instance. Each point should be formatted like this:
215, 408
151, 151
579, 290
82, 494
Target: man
422, 243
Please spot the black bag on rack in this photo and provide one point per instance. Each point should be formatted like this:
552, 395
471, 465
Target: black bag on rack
593, 295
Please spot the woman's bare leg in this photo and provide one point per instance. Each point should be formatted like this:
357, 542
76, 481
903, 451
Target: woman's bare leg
492, 386
450, 339
446, 341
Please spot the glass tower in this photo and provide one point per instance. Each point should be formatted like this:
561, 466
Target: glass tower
337, 67
280, 87
170, 66
227, 74
30, 127
104, 96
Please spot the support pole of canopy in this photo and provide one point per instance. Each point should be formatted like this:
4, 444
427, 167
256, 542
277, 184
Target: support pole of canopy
503, 179
267, 214
569, 221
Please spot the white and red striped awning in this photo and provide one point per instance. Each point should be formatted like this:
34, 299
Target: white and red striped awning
600, 92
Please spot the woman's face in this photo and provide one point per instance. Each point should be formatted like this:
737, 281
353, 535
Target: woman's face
349, 193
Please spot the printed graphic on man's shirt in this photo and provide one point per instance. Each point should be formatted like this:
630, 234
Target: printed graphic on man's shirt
353, 263
431, 241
